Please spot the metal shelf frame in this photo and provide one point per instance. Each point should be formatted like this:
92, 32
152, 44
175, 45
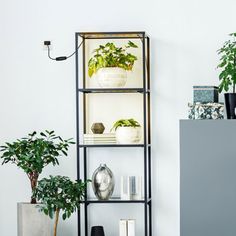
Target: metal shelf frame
81, 111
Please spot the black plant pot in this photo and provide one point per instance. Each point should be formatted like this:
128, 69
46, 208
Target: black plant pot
230, 105
97, 231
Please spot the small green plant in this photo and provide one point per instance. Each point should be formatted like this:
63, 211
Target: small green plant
109, 55
125, 123
228, 64
34, 152
59, 194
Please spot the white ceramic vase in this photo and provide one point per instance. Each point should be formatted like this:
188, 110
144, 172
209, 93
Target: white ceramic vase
32, 222
111, 77
128, 135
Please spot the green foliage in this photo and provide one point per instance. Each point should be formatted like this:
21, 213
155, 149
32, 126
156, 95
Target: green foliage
59, 193
125, 123
109, 55
34, 152
228, 64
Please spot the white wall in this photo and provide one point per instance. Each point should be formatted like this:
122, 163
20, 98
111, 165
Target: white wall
36, 93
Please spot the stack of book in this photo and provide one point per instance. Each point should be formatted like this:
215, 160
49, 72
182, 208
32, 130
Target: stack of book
108, 138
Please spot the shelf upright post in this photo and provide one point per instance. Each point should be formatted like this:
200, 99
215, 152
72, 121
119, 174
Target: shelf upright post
145, 134
84, 132
149, 138
77, 123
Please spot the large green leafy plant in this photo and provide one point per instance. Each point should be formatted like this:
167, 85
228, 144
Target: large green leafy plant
109, 55
59, 194
228, 64
125, 123
34, 152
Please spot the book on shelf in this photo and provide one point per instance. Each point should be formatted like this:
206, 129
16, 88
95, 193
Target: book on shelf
107, 138
131, 227
131, 187
127, 227
123, 228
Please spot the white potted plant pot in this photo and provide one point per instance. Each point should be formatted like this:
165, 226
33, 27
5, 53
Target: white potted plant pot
32, 222
111, 77
127, 135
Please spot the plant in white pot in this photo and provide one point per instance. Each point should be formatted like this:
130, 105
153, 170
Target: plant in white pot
59, 194
127, 131
32, 154
110, 64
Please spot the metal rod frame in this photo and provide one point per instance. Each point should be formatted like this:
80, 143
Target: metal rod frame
82, 149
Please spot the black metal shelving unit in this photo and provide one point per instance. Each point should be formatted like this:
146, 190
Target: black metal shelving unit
82, 149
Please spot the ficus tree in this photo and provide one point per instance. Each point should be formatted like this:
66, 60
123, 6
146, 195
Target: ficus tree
34, 152
109, 55
59, 194
228, 64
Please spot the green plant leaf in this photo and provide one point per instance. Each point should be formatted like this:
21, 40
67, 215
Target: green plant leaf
111, 56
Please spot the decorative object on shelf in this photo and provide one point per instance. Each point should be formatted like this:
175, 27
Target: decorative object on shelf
128, 131
97, 128
199, 111
205, 94
109, 138
103, 182
34, 152
111, 63
228, 74
97, 231
131, 187
59, 194
127, 227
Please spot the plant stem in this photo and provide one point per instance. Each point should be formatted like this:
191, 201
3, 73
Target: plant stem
56, 222
33, 176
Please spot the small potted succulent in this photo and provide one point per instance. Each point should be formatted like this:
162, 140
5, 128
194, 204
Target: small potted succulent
110, 64
228, 74
59, 194
32, 154
127, 131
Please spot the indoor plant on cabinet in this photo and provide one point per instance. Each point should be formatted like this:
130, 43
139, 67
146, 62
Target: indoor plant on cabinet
32, 154
110, 63
228, 74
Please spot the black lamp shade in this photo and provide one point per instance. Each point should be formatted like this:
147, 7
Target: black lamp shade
97, 231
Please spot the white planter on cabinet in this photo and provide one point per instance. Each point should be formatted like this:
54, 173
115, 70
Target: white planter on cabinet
128, 135
32, 222
111, 77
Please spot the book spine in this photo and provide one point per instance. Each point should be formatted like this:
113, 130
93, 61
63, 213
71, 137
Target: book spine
125, 188
135, 183
131, 228
123, 228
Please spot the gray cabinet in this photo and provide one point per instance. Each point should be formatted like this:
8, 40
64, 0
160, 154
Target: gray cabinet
207, 177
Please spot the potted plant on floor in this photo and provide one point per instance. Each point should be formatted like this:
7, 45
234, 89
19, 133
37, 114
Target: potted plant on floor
32, 154
110, 63
228, 74
58, 194
127, 131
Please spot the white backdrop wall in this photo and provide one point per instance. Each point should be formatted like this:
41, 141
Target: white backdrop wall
36, 93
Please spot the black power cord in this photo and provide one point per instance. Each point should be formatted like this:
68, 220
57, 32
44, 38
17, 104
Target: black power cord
61, 58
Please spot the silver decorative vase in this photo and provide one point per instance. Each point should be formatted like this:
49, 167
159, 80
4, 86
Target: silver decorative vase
103, 182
